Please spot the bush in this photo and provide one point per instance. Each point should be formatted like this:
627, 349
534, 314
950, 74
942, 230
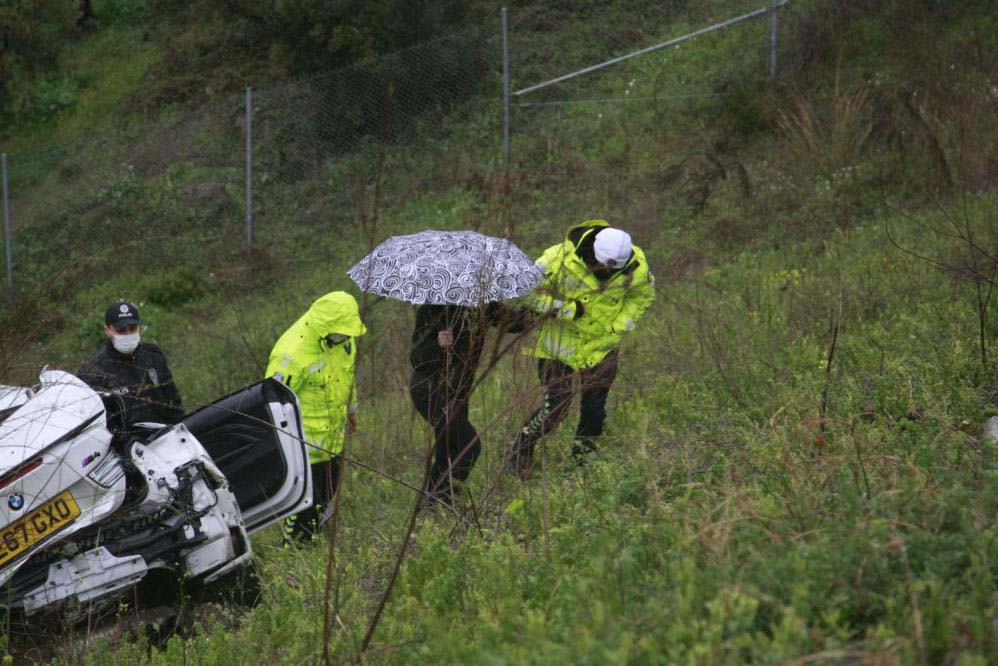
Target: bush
171, 288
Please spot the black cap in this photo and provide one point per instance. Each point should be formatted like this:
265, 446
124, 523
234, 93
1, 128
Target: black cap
121, 314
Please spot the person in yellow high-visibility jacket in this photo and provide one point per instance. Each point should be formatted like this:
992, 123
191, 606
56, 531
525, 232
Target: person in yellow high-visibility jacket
315, 358
596, 287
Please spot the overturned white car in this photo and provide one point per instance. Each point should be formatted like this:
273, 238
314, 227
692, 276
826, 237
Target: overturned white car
86, 522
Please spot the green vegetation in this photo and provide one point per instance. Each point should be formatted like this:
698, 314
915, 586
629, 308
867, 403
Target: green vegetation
794, 469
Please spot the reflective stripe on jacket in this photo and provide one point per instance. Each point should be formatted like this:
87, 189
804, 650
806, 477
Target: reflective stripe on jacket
609, 309
321, 375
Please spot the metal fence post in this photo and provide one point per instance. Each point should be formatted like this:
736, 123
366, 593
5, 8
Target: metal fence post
249, 166
772, 39
6, 225
505, 91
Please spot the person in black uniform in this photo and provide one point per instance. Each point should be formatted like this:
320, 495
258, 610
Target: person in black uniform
447, 343
134, 372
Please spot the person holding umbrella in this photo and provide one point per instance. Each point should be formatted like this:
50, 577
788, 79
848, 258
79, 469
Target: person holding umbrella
315, 358
599, 285
447, 342
458, 280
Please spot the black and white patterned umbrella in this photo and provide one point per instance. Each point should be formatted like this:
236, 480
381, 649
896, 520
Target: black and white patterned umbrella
447, 268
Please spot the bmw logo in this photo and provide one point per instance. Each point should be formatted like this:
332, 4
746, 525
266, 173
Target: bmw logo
15, 502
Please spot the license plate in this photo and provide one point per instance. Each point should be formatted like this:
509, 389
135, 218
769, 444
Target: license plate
44, 521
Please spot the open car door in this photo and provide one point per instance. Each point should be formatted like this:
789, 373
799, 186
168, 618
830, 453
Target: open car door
255, 437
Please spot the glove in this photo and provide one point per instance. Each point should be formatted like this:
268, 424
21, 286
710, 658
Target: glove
568, 309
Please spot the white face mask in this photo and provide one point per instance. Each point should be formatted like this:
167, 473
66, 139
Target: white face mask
126, 343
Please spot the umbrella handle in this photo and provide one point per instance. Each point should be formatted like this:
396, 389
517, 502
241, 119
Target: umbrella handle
447, 387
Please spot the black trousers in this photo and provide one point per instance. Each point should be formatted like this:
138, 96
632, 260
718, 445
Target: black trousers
305, 524
456, 443
557, 379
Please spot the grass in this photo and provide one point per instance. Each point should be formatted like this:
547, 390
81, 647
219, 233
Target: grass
792, 472
725, 522
100, 72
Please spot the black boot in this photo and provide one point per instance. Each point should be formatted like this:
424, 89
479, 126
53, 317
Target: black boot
303, 527
583, 451
518, 462
440, 493
437, 500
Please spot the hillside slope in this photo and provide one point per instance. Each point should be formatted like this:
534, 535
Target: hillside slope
793, 469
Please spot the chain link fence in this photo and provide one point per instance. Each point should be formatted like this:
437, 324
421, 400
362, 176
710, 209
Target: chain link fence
414, 140
406, 141
602, 119
319, 145
360, 142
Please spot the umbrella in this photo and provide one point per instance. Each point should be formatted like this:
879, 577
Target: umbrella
446, 268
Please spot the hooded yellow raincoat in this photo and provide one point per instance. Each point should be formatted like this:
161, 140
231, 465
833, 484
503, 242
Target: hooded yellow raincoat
609, 309
322, 375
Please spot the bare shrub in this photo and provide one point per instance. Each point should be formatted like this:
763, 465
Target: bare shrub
972, 257
828, 137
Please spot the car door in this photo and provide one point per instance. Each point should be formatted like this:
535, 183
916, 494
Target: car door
255, 437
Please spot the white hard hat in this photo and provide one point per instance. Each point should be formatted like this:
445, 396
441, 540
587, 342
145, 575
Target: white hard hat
612, 247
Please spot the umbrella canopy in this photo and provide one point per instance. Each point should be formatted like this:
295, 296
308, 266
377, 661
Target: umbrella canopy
447, 268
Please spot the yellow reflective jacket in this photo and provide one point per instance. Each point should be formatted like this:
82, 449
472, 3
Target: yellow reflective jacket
608, 310
322, 375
